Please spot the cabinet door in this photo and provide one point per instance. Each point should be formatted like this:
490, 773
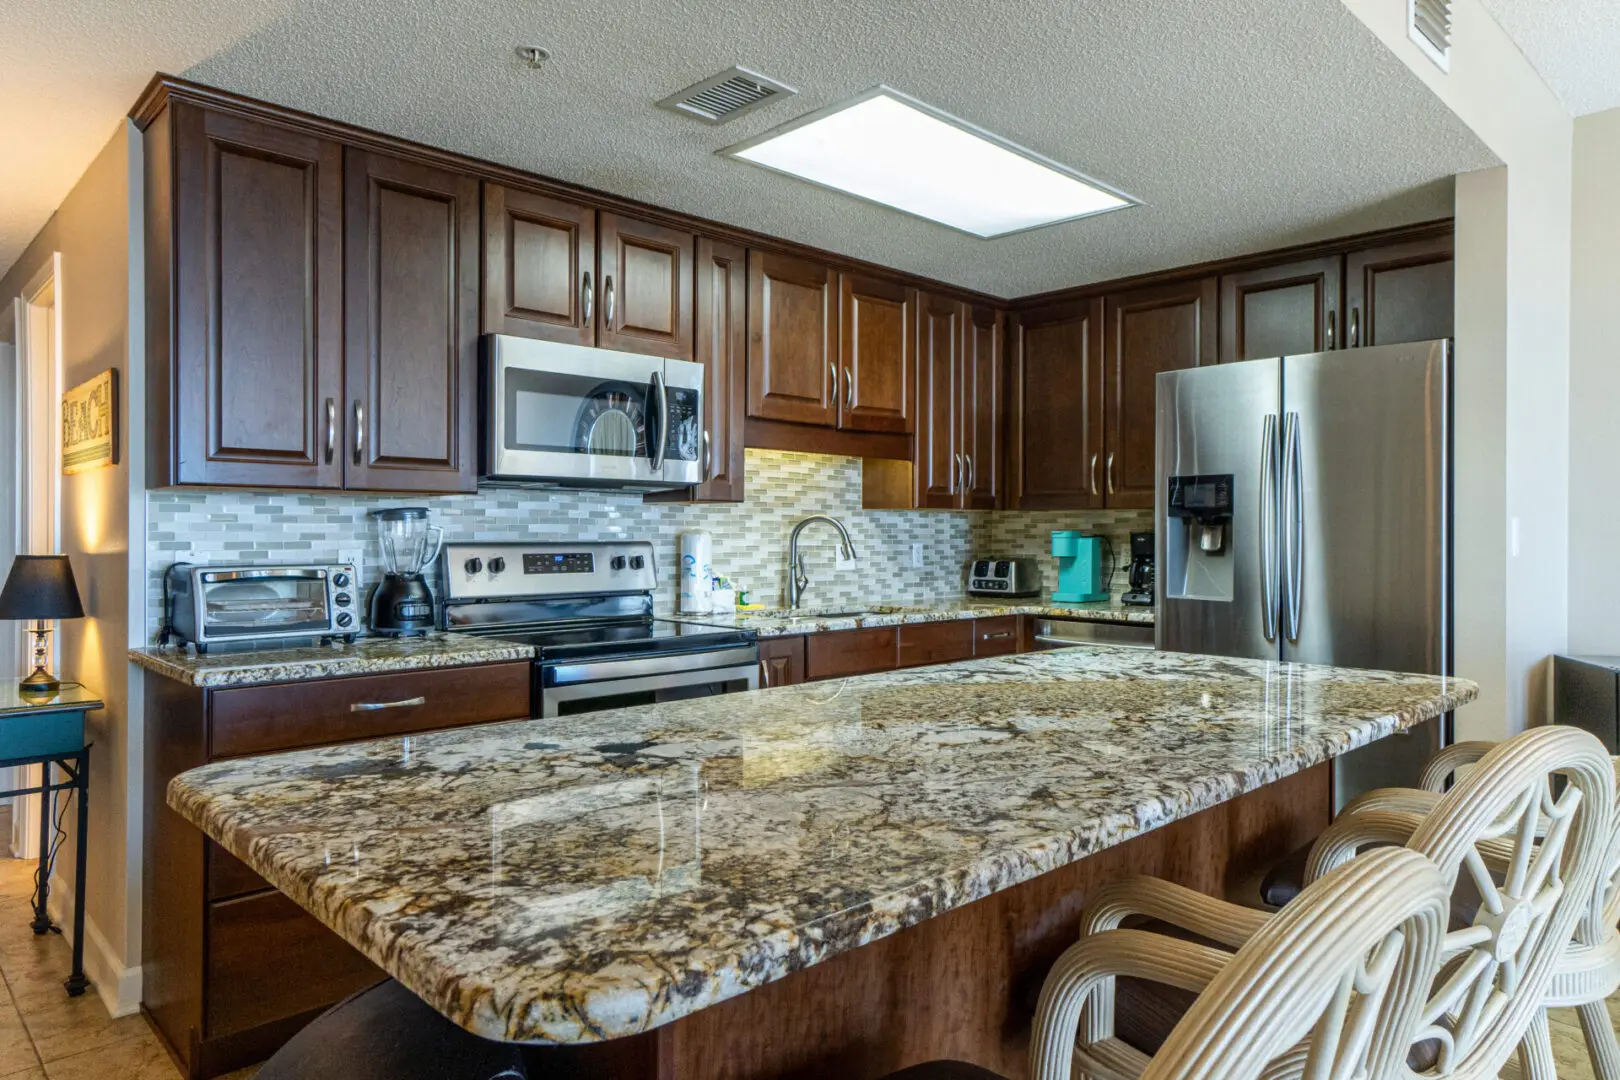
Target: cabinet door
877, 354
1152, 329
937, 454
412, 313
981, 409
1281, 310
1400, 292
1058, 409
792, 340
722, 329
645, 301
256, 374
850, 652
539, 258
781, 661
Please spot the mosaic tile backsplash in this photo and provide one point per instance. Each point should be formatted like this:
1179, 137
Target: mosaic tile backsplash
750, 539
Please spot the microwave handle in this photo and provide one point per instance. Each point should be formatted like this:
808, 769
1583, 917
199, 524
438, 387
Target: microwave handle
661, 417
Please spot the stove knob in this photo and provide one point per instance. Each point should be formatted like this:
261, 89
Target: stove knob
497, 564
617, 562
344, 619
637, 562
340, 579
342, 599
473, 566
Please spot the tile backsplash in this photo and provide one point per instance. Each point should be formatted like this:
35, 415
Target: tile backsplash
750, 539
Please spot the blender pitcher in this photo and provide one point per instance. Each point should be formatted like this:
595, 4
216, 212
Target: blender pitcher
402, 603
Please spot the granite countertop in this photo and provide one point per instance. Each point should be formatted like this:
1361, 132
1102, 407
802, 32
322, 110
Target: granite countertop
366, 656
812, 619
580, 879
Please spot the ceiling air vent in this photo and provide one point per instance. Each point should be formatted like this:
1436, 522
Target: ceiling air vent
1428, 23
726, 96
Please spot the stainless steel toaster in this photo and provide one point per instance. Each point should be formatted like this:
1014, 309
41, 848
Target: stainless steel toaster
1020, 576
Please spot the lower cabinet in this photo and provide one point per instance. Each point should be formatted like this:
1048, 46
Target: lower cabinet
935, 642
781, 661
850, 652
841, 653
231, 967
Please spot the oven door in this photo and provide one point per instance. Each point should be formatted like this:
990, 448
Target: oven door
590, 686
575, 415
234, 604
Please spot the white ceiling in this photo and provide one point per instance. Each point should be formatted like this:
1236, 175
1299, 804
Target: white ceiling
1241, 124
1574, 44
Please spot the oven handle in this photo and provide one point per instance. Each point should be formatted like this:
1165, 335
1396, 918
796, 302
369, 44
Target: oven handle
552, 697
590, 671
660, 436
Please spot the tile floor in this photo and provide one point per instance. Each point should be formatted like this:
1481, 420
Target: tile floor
46, 1035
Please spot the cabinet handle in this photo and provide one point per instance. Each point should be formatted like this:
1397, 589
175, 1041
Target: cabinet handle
359, 431
996, 636
1355, 328
849, 390
331, 429
708, 457
1093, 474
587, 300
764, 675
374, 706
1110, 472
607, 302
1332, 330
834, 369
956, 472
973, 476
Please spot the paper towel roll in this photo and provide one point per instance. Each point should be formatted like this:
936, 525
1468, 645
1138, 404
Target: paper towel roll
696, 569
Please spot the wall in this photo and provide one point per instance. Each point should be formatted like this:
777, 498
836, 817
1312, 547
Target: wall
1512, 523
1594, 390
91, 231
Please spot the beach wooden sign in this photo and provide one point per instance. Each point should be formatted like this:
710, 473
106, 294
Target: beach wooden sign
90, 424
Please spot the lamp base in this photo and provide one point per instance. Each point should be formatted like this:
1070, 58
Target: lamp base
40, 681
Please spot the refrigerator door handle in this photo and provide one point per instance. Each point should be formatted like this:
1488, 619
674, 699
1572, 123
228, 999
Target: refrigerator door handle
1268, 526
1293, 527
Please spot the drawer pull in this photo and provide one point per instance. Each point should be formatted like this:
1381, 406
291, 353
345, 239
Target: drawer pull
373, 706
996, 636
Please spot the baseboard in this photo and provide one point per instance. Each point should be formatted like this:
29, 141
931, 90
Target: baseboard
119, 987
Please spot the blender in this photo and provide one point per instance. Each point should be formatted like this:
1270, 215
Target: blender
402, 604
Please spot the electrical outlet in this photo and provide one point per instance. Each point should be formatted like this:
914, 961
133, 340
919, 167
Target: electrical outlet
917, 556
354, 557
841, 562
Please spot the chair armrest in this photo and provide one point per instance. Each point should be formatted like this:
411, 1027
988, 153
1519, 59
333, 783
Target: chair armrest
1229, 924
1443, 765
1355, 829
1090, 966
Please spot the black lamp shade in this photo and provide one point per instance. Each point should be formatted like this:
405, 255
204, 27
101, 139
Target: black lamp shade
40, 587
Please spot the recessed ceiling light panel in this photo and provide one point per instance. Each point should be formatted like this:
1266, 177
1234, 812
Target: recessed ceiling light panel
892, 149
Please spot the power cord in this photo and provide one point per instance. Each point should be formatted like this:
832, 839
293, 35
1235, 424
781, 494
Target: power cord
42, 872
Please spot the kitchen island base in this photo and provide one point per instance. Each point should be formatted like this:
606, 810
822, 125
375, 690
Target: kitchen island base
963, 984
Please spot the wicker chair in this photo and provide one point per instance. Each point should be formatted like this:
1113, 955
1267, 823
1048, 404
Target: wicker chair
1553, 852
1338, 982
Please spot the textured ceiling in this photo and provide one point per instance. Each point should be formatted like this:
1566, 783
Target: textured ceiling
1572, 43
1241, 124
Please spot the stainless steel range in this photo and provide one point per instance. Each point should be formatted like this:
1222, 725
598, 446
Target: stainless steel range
587, 608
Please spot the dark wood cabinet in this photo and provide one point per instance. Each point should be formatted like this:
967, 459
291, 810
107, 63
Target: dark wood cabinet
937, 453
934, 642
792, 339
781, 661
877, 354
849, 652
1151, 329
1057, 408
722, 349
539, 266
645, 304
1281, 310
248, 387
411, 248
1400, 292
998, 636
981, 408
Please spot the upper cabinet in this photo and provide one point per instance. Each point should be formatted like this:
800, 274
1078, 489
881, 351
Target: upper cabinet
1281, 310
937, 454
792, 339
1057, 409
877, 354
411, 340
563, 271
1399, 292
983, 363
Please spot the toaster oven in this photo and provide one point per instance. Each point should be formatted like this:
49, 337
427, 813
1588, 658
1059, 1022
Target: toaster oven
211, 605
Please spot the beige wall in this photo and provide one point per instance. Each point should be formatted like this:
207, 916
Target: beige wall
1513, 365
1594, 390
91, 230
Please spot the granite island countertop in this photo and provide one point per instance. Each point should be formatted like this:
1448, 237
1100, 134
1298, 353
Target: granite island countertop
814, 619
580, 879
224, 666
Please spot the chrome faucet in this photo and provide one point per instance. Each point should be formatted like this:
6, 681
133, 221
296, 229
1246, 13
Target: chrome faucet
797, 579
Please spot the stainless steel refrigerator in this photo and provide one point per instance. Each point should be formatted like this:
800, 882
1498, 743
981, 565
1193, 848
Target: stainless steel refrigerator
1303, 514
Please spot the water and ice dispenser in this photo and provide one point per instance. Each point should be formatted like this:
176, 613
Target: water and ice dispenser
1198, 556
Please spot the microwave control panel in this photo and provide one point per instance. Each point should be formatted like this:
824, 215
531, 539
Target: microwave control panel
685, 425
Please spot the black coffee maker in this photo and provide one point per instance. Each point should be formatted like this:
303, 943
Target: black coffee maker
1141, 594
402, 604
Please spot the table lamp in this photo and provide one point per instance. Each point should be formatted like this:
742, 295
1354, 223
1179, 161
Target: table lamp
40, 587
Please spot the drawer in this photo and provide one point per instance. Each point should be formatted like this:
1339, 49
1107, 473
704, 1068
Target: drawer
286, 716
268, 959
936, 642
995, 637
849, 652
229, 876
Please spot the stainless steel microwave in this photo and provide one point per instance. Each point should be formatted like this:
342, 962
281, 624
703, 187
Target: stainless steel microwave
567, 415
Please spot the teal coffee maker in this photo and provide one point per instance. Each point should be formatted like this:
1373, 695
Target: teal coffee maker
1080, 567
